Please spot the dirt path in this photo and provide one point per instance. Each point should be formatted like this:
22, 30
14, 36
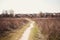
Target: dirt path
26, 33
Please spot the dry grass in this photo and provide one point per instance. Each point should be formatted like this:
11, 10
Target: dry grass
13, 33
50, 27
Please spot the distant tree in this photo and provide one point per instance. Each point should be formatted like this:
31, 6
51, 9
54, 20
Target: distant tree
4, 13
41, 14
11, 13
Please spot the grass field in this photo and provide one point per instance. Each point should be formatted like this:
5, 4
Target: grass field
50, 27
12, 28
16, 35
44, 29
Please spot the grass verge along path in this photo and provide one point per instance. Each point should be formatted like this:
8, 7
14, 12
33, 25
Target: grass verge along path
33, 33
36, 34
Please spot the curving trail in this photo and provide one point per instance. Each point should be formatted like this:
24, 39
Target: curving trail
26, 33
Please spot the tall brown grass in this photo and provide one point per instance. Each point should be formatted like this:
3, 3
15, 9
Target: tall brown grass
50, 27
8, 25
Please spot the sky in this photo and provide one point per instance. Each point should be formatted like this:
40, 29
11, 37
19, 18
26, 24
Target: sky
30, 6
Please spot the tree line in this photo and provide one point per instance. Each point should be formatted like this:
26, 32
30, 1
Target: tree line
11, 14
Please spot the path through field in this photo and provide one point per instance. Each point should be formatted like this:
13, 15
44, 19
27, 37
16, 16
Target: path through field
26, 33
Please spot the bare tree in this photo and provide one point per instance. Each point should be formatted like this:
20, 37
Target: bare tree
11, 13
4, 13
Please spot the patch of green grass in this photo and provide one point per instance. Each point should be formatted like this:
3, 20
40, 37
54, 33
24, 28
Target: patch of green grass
34, 33
16, 34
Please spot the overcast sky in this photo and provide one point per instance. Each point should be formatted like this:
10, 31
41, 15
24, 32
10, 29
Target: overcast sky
30, 6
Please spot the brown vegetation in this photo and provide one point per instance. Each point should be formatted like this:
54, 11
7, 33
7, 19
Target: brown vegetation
8, 25
49, 22
50, 27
